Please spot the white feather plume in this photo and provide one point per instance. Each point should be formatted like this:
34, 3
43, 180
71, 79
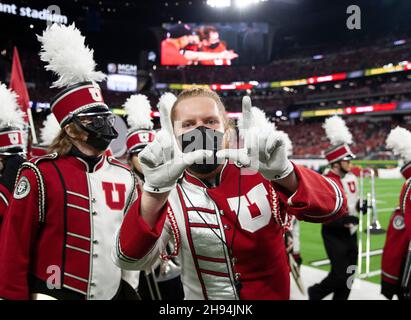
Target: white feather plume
138, 111
50, 130
287, 141
399, 140
64, 50
10, 112
259, 121
167, 99
337, 131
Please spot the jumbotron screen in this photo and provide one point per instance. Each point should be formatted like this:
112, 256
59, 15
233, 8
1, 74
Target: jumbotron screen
214, 44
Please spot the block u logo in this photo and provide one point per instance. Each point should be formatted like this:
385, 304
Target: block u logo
115, 194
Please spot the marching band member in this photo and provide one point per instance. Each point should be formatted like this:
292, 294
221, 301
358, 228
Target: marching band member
223, 208
340, 237
141, 133
11, 145
66, 206
394, 267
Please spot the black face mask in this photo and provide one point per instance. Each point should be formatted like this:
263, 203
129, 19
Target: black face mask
202, 138
100, 131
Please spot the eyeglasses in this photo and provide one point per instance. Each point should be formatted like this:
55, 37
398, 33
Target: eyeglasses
98, 121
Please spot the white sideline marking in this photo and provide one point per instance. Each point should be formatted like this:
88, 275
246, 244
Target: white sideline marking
370, 274
389, 194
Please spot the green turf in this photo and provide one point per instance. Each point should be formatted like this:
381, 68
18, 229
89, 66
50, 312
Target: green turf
387, 195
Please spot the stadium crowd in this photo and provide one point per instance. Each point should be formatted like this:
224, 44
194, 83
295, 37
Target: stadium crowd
368, 136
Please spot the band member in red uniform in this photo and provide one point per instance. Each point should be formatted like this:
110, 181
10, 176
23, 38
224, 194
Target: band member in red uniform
226, 217
396, 257
11, 145
141, 132
66, 206
340, 237
162, 281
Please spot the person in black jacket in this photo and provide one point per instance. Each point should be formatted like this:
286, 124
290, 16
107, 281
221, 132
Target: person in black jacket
340, 236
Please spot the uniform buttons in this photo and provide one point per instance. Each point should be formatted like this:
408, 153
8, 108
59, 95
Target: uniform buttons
91, 295
93, 200
222, 212
92, 284
237, 276
95, 241
235, 260
95, 255
94, 213
227, 227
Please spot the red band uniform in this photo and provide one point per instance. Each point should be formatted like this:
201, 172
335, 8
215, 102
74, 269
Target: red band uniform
394, 267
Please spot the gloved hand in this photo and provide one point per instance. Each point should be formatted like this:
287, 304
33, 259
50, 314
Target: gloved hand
11, 167
389, 290
162, 162
264, 149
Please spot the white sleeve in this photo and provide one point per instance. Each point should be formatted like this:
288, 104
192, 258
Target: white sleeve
149, 259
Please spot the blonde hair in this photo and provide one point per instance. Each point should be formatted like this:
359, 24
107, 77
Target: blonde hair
62, 144
203, 92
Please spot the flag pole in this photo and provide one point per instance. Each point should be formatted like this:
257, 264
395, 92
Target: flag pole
31, 125
18, 85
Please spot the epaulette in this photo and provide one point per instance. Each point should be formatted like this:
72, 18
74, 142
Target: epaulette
403, 201
50, 156
118, 163
32, 165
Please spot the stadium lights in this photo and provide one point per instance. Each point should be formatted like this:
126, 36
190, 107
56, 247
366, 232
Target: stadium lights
229, 3
219, 3
399, 42
245, 3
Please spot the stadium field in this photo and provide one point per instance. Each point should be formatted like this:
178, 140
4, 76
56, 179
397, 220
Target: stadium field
387, 195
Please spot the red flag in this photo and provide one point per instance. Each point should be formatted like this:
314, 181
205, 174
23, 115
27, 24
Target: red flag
18, 85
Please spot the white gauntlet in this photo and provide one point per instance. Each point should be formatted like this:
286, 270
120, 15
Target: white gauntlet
162, 162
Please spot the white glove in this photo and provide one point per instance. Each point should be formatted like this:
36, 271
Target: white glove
162, 162
265, 148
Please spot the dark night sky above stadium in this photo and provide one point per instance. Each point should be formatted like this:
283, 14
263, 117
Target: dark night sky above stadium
123, 28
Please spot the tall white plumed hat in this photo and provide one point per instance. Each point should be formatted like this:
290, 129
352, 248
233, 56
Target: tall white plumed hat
340, 137
63, 49
140, 121
399, 141
11, 123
